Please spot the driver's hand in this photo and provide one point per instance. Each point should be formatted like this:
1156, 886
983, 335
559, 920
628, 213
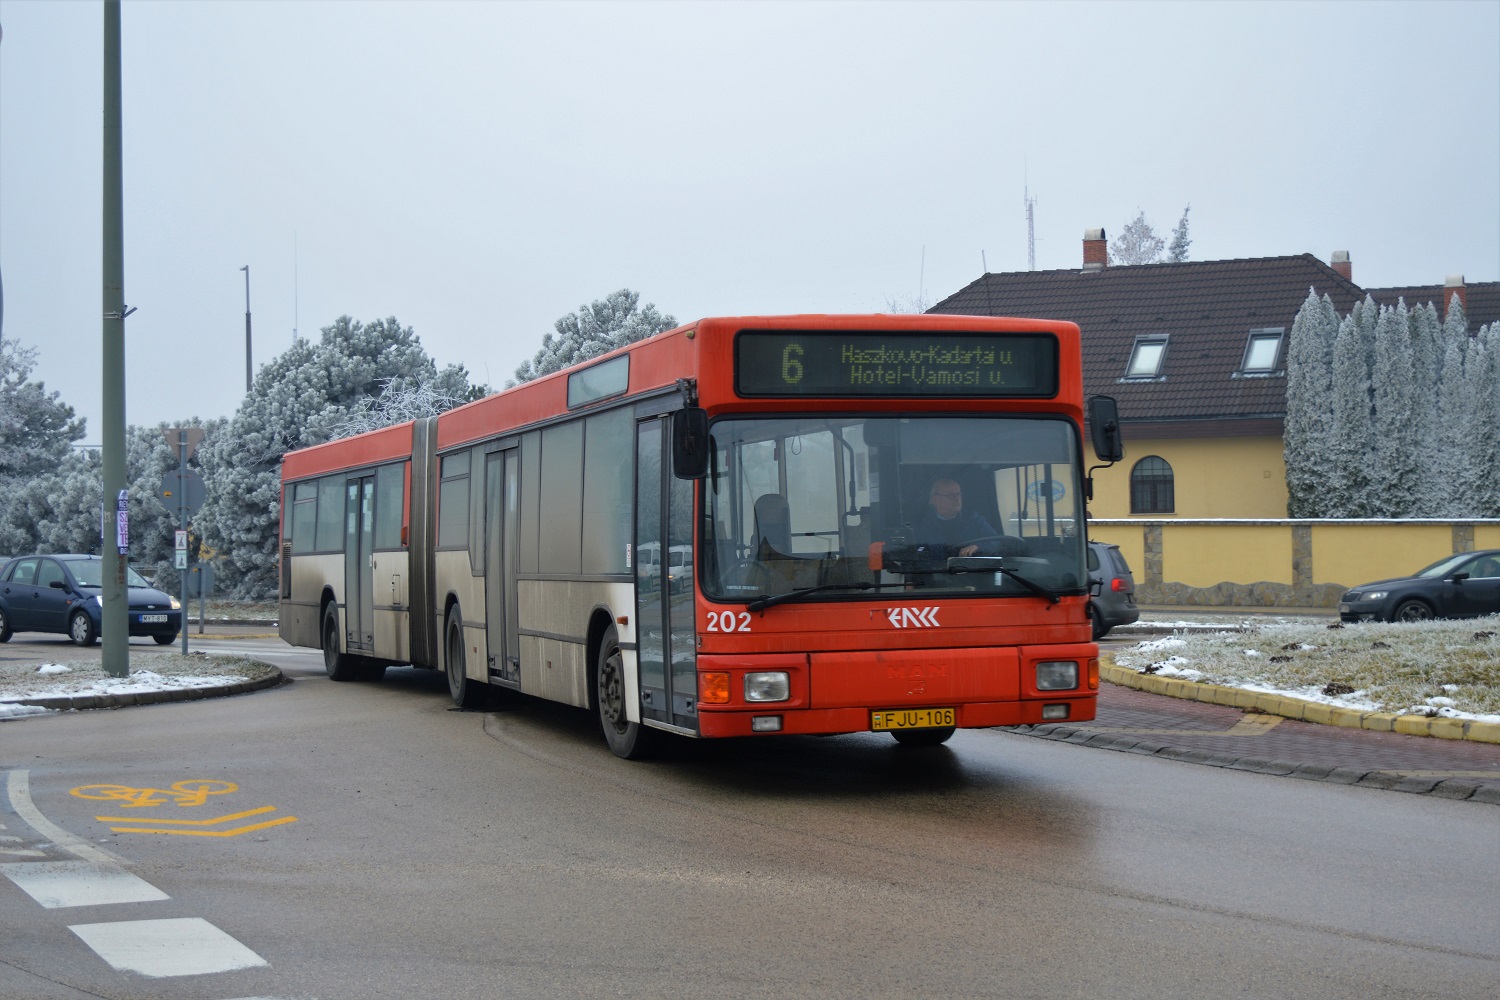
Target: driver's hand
968, 550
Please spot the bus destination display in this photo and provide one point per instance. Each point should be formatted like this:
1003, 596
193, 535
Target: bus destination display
920, 363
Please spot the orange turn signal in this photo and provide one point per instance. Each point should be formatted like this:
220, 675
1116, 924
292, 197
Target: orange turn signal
1093, 675
713, 688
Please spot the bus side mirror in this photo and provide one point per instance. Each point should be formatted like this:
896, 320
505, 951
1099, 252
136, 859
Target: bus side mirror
1104, 428
690, 443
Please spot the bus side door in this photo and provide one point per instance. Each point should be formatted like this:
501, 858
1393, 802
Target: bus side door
666, 632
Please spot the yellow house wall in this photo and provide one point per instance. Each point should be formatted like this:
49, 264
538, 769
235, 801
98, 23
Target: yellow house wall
1213, 477
1278, 562
1202, 555
1358, 553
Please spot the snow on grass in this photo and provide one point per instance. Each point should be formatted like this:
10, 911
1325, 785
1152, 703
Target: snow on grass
1448, 668
148, 672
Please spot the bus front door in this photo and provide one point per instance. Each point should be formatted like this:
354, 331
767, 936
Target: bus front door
359, 553
666, 646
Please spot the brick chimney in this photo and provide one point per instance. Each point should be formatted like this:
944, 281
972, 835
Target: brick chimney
1095, 250
1454, 286
1342, 265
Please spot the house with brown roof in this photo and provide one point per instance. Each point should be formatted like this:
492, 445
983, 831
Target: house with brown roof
1195, 353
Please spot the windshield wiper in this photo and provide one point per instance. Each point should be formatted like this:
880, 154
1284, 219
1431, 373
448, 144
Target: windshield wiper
771, 600
1035, 588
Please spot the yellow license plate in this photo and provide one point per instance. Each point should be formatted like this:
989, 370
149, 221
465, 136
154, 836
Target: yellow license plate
910, 718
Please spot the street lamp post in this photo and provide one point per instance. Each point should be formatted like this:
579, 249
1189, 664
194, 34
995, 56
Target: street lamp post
246, 269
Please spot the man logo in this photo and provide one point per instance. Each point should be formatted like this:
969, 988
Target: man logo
913, 617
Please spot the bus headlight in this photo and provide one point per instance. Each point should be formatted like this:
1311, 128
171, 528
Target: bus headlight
774, 685
1056, 675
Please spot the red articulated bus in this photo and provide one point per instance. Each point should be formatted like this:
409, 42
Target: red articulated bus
793, 524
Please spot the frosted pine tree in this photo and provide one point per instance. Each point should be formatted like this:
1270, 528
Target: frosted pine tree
1396, 467
300, 398
1450, 466
1425, 334
1349, 492
1137, 243
1482, 378
614, 321
1177, 251
1309, 375
37, 429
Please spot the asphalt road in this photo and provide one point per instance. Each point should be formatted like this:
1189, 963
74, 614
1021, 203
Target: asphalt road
392, 846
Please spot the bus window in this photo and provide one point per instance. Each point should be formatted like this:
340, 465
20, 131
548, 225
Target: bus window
799, 502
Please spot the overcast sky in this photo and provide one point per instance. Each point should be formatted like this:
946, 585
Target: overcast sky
479, 169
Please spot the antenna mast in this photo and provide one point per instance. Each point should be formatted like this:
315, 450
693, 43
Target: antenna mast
1030, 230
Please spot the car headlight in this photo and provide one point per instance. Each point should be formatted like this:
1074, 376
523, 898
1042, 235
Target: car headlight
1056, 675
176, 604
99, 600
1375, 595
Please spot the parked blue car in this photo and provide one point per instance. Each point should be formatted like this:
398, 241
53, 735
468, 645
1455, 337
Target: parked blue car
62, 593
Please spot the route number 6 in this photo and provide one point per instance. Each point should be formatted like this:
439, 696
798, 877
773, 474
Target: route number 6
729, 621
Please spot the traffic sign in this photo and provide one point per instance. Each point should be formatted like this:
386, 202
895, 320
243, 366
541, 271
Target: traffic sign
178, 437
175, 485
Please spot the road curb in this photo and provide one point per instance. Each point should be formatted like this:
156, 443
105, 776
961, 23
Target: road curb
81, 702
1303, 711
1459, 789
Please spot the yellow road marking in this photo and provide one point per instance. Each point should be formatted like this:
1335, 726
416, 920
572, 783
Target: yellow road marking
208, 833
188, 793
186, 822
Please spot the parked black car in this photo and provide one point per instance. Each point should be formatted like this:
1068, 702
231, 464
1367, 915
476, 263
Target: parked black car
63, 593
1112, 587
1465, 585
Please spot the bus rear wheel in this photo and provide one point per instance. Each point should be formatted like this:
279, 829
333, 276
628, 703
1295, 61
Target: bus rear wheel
467, 693
626, 739
923, 737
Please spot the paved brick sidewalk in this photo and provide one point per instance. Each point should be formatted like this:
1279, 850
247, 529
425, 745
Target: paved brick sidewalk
1141, 722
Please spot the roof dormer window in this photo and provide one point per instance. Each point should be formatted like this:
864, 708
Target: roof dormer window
1263, 351
1146, 357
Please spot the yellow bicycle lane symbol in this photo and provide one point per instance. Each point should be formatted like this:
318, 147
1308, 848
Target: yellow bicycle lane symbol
184, 794
193, 792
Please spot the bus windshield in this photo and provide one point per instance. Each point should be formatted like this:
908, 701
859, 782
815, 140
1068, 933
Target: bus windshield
987, 505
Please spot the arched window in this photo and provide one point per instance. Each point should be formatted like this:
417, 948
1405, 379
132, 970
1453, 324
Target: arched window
1151, 490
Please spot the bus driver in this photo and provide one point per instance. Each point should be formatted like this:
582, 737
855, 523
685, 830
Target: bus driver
946, 523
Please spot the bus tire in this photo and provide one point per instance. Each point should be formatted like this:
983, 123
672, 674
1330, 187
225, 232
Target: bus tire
338, 666
630, 740
467, 693
923, 737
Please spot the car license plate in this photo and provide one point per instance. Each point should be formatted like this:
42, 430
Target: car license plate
910, 718
1343, 609
153, 619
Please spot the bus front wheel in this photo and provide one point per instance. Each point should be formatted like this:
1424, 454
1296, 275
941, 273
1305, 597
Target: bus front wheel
626, 739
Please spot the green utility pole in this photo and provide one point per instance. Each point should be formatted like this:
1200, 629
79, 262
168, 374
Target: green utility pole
116, 623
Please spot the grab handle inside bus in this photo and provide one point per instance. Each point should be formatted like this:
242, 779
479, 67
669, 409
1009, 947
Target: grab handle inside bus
690, 443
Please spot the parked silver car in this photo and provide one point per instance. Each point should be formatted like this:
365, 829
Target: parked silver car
1111, 589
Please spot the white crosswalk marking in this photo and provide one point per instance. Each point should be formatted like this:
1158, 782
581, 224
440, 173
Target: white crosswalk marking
185, 946
56, 884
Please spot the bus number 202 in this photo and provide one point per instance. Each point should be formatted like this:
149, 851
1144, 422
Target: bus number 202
729, 621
